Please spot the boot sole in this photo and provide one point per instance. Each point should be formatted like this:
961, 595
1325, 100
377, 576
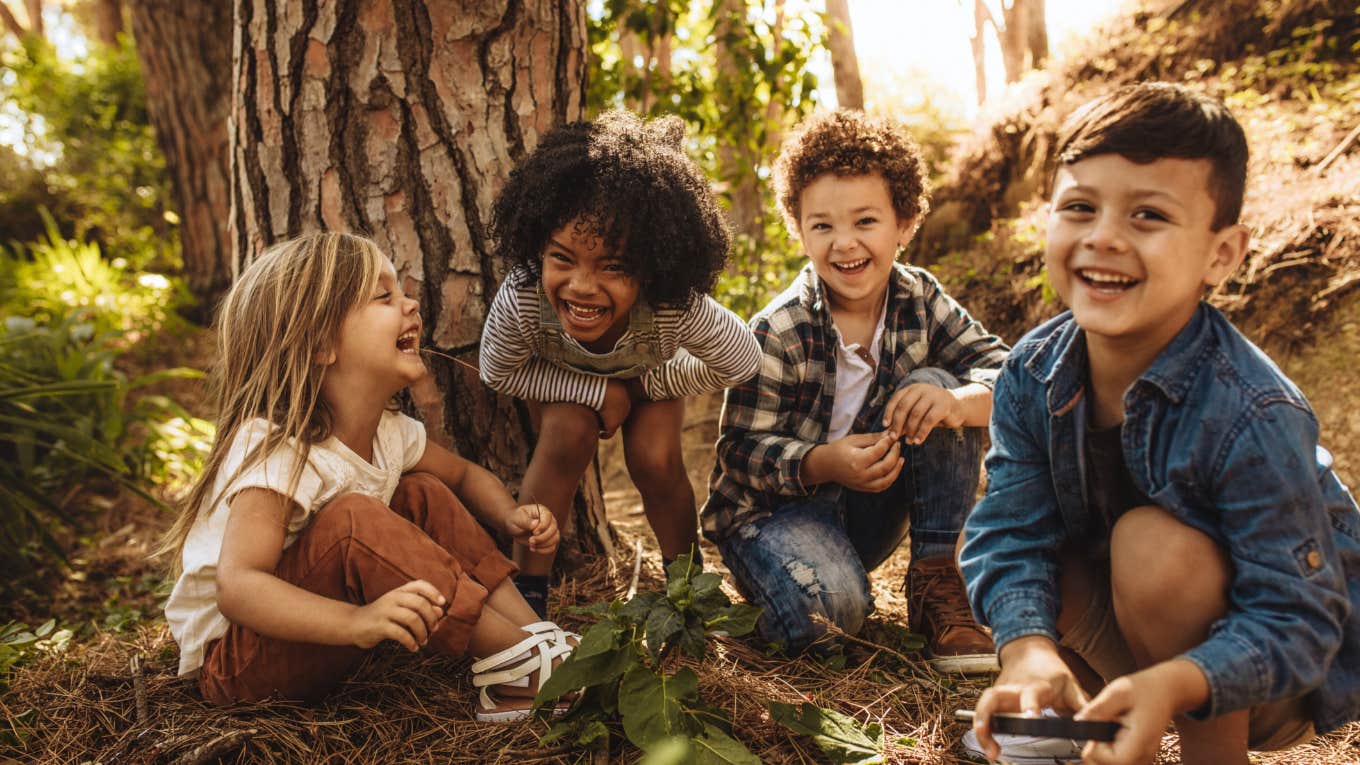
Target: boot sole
965, 664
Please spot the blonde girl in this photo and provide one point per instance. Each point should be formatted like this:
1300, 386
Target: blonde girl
325, 521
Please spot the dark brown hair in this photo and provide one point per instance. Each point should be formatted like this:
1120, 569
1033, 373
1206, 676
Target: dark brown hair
628, 182
848, 143
1158, 120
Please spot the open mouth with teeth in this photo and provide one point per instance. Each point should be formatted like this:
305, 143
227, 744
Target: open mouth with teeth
852, 266
1107, 281
409, 342
582, 312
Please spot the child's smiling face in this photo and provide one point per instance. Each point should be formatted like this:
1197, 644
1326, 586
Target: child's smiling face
1131, 246
586, 285
851, 232
386, 320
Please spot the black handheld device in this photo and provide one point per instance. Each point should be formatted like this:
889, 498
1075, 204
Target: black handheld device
1048, 727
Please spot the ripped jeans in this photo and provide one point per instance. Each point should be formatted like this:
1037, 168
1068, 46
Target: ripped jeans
812, 555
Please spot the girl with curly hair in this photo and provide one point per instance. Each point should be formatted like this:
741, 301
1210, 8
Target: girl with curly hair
604, 320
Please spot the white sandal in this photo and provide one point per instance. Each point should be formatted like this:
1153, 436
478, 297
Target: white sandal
514, 665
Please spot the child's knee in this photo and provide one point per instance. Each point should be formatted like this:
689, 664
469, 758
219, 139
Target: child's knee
1158, 563
568, 430
812, 594
655, 463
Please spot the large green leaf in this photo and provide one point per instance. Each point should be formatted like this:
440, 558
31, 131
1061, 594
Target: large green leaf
840, 738
650, 703
736, 620
718, 748
662, 624
672, 750
589, 665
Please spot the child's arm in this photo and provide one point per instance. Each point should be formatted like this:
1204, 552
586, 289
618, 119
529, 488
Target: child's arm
249, 594
959, 344
507, 362
487, 498
718, 350
1009, 557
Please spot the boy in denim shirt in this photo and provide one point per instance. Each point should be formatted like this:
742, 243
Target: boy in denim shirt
1159, 515
865, 415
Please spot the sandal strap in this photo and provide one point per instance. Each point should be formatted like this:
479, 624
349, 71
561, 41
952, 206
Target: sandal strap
501, 668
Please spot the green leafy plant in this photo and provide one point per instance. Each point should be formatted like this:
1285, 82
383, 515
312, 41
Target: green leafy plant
626, 669
840, 737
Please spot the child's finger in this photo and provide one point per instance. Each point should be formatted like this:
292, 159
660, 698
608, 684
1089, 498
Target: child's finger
428, 612
396, 632
918, 417
425, 590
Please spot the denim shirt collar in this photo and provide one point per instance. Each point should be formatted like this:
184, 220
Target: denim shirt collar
1060, 363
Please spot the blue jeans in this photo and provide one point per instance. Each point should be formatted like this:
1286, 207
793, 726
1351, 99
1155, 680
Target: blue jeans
813, 554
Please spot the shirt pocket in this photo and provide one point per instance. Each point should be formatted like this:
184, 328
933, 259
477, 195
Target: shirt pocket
1309, 559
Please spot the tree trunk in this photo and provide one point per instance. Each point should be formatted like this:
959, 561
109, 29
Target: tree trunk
980, 17
108, 20
1036, 33
738, 163
186, 65
35, 19
401, 119
1013, 38
844, 62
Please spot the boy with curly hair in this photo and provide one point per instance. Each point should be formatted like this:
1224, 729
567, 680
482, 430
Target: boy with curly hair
866, 417
1160, 519
604, 321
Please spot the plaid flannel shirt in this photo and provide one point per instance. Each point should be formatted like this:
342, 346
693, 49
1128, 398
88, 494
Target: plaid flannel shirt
772, 420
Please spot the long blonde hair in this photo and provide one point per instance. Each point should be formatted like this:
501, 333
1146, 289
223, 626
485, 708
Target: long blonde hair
281, 316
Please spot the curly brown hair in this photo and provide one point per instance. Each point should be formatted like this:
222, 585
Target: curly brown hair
849, 143
628, 182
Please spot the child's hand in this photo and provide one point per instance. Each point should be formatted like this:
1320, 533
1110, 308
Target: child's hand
407, 615
534, 526
917, 409
867, 462
618, 402
1033, 676
1139, 702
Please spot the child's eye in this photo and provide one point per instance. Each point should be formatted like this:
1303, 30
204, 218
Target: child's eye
1146, 214
559, 256
1080, 208
821, 227
385, 294
866, 221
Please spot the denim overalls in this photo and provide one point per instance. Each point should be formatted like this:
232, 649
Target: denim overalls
638, 351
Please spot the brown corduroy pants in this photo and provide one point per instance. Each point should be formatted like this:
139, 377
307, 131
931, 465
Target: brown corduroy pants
356, 549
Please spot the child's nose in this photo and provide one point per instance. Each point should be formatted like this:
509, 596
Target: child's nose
1105, 234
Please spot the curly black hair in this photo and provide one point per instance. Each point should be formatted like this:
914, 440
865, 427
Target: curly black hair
851, 143
628, 182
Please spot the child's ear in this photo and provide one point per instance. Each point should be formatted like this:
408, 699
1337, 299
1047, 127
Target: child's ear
1229, 248
324, 358
906, 229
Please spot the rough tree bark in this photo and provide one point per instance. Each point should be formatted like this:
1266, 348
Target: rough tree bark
400, 119
186, 64
844, 62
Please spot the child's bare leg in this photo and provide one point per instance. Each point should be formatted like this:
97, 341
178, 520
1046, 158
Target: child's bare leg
1075, 596
651, 449
507, 602
1169, 584
567, 436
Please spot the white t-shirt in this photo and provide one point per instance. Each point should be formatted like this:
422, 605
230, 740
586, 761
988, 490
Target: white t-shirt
330, 471
854, 376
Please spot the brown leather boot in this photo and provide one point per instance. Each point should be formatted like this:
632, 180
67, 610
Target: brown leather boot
937, 608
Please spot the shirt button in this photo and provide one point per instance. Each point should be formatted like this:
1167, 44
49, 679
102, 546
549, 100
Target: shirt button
1314, 559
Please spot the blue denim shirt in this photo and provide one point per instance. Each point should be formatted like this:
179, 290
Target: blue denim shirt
1218, 436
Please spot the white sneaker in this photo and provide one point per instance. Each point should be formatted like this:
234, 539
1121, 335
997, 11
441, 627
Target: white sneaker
1025, 750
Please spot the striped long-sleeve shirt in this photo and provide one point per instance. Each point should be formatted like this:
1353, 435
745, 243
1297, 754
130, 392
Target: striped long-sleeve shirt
771, 421
705, 348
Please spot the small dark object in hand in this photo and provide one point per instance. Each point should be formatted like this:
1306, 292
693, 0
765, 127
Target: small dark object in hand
1048, 727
